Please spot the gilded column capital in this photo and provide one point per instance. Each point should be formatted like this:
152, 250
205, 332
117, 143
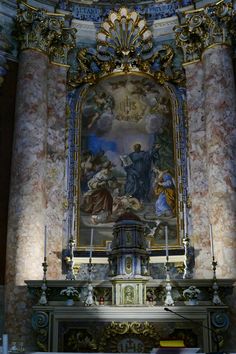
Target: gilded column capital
189, 42
39, 30
203, 28
61, 45
36, 29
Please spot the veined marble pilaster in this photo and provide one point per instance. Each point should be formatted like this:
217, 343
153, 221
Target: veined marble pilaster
205, 35
198, 184
56, 166
39, 138
27, 195
220, 113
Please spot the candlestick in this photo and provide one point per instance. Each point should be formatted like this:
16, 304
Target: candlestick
43, 298
89, 301
168, 299
45, 241
188, 258
70, 261
216, 298
211, 239
166, 239
91, 244
185, 219
4, 344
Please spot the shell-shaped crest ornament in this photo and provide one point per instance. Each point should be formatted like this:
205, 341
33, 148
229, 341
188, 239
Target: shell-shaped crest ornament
124, 34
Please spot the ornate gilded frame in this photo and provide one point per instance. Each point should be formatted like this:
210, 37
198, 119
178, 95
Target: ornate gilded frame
157, 65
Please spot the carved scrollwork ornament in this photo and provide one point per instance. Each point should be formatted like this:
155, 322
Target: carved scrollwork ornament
115, 331
190, 44
61, 45
40, 322
124, 44
220, 320
205, 27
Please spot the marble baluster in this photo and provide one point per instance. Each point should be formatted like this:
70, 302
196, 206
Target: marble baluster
220, 113
198, 185
27, 202
57, 75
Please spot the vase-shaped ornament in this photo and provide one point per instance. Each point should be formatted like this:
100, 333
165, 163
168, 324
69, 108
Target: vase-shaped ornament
191, 295
70, 302
192, 302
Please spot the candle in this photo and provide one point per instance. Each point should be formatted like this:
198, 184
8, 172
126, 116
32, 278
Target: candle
4, 344
185, 220
73, 222
68, 227
166, 238
91, 244
45, 241
211, 239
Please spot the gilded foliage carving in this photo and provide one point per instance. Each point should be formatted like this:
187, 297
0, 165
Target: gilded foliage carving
39, 30
61, 45
205, 27
124, 44
113, 333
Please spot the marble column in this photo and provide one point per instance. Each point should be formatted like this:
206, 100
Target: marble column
39, 138
197, 179
220, 114
199, 41
27, 204
57, 76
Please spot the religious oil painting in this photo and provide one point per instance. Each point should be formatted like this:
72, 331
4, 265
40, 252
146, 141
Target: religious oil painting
127, 160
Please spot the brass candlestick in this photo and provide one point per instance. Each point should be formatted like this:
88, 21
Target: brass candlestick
89, 301
168, 300
187, 260
43, 298
70, 275
216, 298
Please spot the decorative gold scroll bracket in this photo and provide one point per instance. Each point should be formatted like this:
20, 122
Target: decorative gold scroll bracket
124, 44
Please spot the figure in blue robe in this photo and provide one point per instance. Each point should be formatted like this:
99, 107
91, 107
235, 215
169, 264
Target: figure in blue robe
165, 191
138, 174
